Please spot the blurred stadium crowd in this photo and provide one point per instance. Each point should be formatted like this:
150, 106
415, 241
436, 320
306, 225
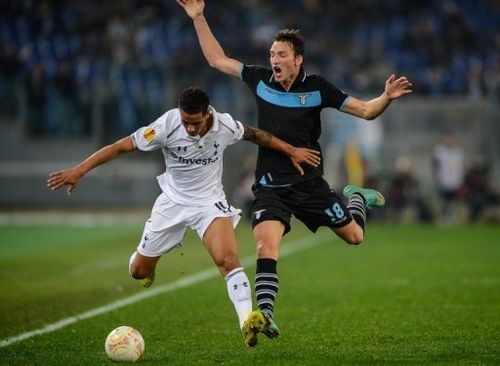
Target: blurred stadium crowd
58, 58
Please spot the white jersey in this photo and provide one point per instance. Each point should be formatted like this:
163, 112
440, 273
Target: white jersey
450, 170
193, 173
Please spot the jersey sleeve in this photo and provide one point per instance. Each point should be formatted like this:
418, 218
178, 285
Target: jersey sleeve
252, 74
232, 129
152, 137
331, 95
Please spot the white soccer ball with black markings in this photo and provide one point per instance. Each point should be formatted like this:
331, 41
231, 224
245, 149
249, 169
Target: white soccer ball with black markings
124, 344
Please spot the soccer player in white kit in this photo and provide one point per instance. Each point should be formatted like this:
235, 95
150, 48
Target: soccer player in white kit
192, 138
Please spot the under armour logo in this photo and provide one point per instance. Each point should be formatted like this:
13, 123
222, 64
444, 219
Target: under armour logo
183, 148
244, 284
303, 98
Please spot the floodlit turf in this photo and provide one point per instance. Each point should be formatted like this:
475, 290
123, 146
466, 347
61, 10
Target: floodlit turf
408, 295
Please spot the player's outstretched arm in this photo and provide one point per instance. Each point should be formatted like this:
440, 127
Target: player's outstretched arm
211, 48
394, 88
298, 155
71, 177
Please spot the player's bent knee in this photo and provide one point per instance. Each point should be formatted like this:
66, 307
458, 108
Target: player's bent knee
140, 272
136, 275
227, 264
267, 249
352, 234
354, 239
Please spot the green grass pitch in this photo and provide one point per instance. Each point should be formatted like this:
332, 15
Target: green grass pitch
408, 295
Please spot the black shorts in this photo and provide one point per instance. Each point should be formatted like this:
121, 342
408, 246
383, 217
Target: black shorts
313, 202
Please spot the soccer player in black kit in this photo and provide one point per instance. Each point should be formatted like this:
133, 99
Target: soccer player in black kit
289, 103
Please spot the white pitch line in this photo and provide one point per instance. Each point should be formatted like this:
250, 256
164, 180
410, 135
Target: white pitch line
288, 249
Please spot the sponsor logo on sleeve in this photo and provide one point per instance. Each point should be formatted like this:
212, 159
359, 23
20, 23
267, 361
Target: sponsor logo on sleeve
149, 133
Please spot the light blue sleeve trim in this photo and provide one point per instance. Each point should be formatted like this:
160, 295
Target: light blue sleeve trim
241, 71
344, 103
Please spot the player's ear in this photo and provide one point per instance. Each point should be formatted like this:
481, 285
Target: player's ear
299, 60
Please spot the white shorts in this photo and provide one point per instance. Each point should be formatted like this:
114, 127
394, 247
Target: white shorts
169, 222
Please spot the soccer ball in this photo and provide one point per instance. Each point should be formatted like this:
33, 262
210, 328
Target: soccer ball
124, 344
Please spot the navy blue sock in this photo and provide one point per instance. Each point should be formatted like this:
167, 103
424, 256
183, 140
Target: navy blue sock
266, 284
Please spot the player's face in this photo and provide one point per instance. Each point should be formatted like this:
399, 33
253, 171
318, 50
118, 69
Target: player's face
195, 124
285, 64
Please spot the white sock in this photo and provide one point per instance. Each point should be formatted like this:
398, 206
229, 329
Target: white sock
132, 258
238, 289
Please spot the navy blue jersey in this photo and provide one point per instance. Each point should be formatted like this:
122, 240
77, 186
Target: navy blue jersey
293, 116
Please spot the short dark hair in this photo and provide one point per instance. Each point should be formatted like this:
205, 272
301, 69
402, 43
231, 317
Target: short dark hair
293, 37
193, 100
